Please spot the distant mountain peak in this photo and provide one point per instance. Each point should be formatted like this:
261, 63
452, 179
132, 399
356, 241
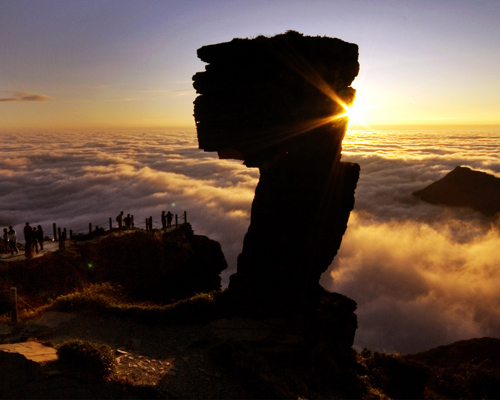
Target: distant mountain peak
465, 187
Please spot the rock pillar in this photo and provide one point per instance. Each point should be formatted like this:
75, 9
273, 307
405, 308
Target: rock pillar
279, 104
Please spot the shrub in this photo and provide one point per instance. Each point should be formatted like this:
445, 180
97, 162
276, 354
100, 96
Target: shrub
87, 358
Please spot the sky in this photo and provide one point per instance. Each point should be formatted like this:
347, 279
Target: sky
127, 64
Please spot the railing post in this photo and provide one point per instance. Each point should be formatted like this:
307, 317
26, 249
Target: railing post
90, 227
150, 223
176, 223
185, 217
55, 230
64, 233
59, 233
70, 234
110, 223
13, 305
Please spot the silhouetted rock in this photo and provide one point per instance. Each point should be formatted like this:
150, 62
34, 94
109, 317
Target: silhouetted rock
278, 103
156, 266
263, 97
464, 187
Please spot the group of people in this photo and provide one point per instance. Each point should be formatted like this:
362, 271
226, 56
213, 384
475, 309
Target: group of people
127, 222
33, 238
10, 240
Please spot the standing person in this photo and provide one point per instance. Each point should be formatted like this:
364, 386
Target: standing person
39, 232
169, 219
6, 240
27, 240
119, 220
34, 239
13, 241
127, 221
163, 221
62, 240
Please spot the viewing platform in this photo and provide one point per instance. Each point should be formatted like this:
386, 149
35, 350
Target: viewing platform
92, 236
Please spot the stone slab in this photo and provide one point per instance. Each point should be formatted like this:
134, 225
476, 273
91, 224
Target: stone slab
52, 319
33, 351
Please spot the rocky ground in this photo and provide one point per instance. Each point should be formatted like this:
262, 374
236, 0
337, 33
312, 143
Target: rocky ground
173, 360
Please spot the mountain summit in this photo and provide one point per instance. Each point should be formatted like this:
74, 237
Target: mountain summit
464, 187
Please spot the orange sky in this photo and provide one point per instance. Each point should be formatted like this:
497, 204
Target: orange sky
128, 64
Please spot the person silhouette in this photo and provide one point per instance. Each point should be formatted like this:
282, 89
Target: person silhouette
119, 220
27, 240
39, 232
34, 239
169, 219
163, 221
13, 241
127, 221
5, 240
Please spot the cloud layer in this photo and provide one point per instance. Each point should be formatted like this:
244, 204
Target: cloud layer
422, 275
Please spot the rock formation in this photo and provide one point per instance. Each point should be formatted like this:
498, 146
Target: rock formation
464, 187
158, 267
279, 104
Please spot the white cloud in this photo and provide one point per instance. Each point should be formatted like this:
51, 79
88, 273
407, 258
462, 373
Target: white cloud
416, 285
422, 275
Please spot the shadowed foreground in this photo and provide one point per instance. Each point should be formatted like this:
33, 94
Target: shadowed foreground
195, 349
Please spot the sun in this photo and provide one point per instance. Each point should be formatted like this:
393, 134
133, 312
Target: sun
355, 114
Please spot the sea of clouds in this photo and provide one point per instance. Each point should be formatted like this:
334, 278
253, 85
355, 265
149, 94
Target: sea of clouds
422, 275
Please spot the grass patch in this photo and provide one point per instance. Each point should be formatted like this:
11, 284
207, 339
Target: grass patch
106, 299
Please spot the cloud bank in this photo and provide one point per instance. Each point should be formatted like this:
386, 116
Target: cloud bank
422, 275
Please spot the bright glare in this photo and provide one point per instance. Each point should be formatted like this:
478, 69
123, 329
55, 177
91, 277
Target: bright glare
355, 114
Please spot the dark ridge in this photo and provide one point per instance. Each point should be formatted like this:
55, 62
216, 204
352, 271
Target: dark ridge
464, 187
475, 351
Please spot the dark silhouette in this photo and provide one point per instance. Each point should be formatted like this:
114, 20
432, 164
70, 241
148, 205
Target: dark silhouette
278, 104
5, 240
127, 221
163, 221
27, 240
119, 220
464, 187
13, 241
169, 219
40, 236
62, 240
34, 240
